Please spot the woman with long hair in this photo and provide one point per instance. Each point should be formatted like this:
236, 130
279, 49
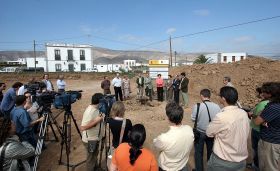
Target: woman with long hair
117, 121
132, 155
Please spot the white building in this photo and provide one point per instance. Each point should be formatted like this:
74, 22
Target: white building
108, 67
40, 62
226, 57
129, 63
19, 61
68, 57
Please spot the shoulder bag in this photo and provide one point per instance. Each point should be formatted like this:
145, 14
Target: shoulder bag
209, 119
195, 131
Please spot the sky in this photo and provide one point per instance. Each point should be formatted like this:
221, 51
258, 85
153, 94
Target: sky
140, 24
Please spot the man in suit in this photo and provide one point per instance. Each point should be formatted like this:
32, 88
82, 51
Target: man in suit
184, 89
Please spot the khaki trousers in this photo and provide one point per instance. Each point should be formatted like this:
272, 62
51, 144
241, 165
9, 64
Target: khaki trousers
269, 156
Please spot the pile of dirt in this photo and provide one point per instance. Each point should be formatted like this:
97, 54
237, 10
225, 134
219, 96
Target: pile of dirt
246, 76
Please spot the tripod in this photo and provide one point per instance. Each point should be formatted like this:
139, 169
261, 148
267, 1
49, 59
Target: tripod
49, 120
66, 137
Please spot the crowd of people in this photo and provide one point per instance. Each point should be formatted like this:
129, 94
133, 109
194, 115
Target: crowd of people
224, 127
19, 117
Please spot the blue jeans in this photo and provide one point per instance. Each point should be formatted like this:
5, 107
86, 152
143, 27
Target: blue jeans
255, 137
199, 148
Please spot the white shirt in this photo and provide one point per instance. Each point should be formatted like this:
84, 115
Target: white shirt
60, 84
175, 146
117, 82
48, 84
231, 129
21, 90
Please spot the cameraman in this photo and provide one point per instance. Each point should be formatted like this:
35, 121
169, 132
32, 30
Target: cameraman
92, 126
8, 101
16, 152
23, 122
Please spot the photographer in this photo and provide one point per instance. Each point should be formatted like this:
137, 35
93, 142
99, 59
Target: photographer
15, 152
8, 101
23, 122
92, 126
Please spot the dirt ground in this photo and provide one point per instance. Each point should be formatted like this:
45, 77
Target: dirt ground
246, 75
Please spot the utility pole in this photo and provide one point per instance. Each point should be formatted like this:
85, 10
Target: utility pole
170, 46
34, 52
175, 53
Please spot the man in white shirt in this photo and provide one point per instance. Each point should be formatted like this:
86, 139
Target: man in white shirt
117, 84
176, 144
231, 129
60, 84
49, 85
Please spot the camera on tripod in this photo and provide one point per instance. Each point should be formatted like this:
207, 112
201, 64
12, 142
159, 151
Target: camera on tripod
33, 88
105, 104
65, 99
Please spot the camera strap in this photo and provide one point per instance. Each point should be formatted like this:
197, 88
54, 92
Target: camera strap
197, 111
207, 111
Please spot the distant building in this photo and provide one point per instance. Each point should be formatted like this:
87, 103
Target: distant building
226, 57
19, 61
68, 57
108, 67
40, 62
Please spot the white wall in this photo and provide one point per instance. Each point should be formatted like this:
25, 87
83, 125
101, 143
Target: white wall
219, 57
64, 62
42, 62
229, 57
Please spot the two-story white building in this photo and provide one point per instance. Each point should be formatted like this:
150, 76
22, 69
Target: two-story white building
68, 57
226, 57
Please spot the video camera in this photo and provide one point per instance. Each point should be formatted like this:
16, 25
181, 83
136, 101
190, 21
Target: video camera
106, 103
34, 87
64, 100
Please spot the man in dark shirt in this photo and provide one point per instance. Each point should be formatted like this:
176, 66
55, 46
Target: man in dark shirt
105, 85
269, 144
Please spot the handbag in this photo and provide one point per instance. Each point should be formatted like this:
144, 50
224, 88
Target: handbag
196, 133
112, 149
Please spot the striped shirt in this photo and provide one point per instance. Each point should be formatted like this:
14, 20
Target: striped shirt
17, 150
271, 115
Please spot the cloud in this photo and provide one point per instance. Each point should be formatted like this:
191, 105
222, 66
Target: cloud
202, 12
170, 30
243, 39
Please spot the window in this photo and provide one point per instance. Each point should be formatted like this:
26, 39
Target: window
83, 67
57, 67
71, 67
233, 59
82, 55
36, 62
225, 59
57, 55
241, 57
70, 55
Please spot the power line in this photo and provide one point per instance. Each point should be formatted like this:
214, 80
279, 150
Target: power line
211, 30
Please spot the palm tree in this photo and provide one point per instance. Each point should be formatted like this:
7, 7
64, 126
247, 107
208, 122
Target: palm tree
201, 59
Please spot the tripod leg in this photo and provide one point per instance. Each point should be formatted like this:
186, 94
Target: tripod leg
63, 140
40, 141
76, 125
53, 121
55, 136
